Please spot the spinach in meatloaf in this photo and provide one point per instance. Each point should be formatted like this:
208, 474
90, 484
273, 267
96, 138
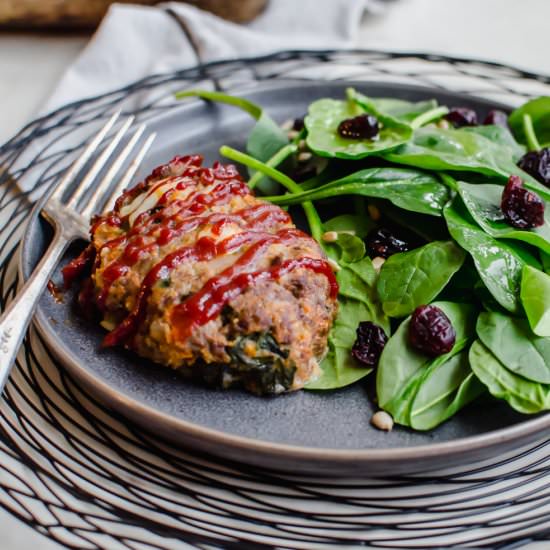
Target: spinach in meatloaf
194, 272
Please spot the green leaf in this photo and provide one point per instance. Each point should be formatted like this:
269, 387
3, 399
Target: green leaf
535, 297
413, 115
538, 110
314, 221
521, 394
443, 390
357, 280
499, 263
410, 279
339, 368
483, 204
411, 190
464, 149
349, 246
513, 343
324, 117
402, 367
265, 139
357, 302
545, 261
404, 111
499, 135
360, 225
352, 248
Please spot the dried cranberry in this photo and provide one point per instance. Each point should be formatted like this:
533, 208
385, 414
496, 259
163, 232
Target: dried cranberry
359, 127
380, 242
461, 116
537, 164
521, 208
496, 118
369, 344
431, 331
298, 124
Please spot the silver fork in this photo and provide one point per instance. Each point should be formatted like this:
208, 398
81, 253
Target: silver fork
70, 220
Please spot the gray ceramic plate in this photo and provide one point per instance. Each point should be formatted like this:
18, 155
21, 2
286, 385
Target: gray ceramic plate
303, 432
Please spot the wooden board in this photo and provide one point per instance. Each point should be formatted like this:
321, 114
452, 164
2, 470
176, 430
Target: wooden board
88, 13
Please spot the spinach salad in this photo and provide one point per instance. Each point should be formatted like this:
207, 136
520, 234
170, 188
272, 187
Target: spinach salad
437, 230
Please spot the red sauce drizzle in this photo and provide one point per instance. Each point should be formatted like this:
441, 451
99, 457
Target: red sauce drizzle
75, 268
205, 249
208, 303
262, 216
169, 219
182, 166
55, 291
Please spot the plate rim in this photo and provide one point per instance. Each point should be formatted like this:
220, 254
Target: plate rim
336, 460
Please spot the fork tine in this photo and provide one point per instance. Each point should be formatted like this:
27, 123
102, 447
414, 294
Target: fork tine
101, 190
98, 164
79, 163
130, 172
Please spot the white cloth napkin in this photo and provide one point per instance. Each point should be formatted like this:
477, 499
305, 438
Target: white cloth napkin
136, 41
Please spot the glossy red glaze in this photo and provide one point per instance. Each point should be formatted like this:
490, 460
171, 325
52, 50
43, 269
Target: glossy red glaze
169, 219
55, 291
141, 241
206, 249
208, 303
76, 267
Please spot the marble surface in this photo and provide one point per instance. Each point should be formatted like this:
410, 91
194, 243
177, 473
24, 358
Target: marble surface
502, 30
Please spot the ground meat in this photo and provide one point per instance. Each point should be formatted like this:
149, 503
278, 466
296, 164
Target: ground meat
194, 272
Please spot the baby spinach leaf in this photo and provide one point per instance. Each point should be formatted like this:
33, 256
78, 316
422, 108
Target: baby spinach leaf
410, 279
405, 111
357, 280
265, 139
339, 368
545, 261
535, 297
538, 110
521, 394
462, 286
313, 219
513, 343
463, 149
501, 136
414, 115
483, 204
419, 226
350, 248
498, 262
443, 390
411, 190
359, 225
402, 367
357, 301
322, 122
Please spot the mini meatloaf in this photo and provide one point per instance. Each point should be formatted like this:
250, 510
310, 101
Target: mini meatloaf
193, 271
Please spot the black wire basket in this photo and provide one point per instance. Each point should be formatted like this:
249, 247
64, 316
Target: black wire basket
87, 478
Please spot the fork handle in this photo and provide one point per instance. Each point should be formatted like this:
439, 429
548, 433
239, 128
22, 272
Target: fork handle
16, 318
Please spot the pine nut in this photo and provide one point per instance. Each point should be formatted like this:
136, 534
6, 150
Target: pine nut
382, 420
330, 236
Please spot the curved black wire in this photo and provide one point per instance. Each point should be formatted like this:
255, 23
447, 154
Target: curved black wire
87, 477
